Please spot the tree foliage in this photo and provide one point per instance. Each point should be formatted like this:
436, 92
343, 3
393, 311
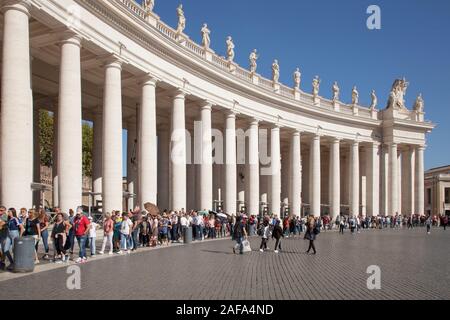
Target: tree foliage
46, 142
46, 138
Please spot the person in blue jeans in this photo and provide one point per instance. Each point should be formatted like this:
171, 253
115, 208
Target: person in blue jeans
81, 225
239, 234
43, 224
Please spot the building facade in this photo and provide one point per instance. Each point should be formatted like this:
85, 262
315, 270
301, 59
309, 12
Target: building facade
116, 64
437, 191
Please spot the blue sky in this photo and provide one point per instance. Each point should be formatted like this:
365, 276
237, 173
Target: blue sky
329, 38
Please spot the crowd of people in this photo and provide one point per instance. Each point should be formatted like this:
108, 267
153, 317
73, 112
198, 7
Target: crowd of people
125, 232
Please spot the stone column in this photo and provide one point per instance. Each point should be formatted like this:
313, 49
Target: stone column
315, 176
163, 165
230, 164
335, 179
206, 167
296, 180
132, 162
36, 157
69, 125
419, 181
97, 171
55, 196
373, 178
393, 180
354, 178
112, 137
275, 178
148, 144
253, 166
408, 192
178, 152
17, 107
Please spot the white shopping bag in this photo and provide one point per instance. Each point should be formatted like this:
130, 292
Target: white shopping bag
246, 245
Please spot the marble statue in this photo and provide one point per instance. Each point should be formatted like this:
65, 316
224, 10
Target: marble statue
206, 40
419, 104
336, 92
275, 71
297, 78
397, 95
253, 58
374, 102
316, 86
181, 19
355, 96
148, 5
230, 49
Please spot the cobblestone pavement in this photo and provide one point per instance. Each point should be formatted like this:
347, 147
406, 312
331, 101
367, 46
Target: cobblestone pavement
413, 265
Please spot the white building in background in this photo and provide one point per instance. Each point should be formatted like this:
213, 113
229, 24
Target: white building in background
437, 191
115, 63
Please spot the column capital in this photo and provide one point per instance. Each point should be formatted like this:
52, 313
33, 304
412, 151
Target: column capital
113, 61
421, 147
254, 122
179, 93
19, 5
335, 140
206, 105
148, 80
231, 113
297, 133
70, 37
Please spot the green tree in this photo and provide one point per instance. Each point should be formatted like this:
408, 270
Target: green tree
88, 142
46, 138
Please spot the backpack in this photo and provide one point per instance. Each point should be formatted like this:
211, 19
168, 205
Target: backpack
260, 231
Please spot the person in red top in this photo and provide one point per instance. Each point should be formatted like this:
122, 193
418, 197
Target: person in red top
81, 229
108, 232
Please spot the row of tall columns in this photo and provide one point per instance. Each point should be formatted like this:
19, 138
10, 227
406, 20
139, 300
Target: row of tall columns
17, 145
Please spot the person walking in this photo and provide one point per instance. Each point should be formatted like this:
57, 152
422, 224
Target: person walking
15, 227
265, 233
277, 234
429, 222
239, 234
341, 225
312, 231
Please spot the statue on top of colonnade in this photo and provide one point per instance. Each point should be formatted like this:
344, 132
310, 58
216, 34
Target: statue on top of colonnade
253, 58
355, 96
275, 72
397, 95
316, 86
206, 39
374, 103
148, 5
181, 19
230, 49
297, 79
336, 92
419, 104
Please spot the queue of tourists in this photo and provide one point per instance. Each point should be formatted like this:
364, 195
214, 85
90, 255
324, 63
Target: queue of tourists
126, 232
